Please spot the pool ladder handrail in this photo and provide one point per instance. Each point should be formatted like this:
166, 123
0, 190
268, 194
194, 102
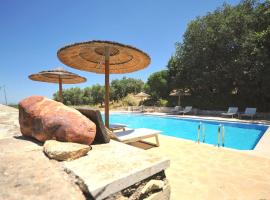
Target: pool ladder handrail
223, 135
201, 126
199, 131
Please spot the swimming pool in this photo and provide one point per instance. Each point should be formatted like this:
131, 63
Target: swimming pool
240, 136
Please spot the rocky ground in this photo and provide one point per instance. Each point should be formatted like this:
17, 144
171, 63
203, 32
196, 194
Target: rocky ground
25, 172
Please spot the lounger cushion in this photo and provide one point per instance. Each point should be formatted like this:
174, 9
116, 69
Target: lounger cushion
135, 133
228, 114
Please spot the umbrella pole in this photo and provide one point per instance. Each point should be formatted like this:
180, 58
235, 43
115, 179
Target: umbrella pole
60, 90
179, 100
107, 86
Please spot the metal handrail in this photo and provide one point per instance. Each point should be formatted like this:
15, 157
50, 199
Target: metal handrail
221, 133
203, 133
218, 140
199, 131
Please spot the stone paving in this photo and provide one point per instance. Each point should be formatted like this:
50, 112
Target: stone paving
201, 171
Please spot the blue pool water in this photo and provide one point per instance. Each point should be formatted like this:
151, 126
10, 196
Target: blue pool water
240, 136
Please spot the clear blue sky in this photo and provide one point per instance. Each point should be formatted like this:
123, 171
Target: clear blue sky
32, 31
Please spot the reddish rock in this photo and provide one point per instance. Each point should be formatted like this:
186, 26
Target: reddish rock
45, 119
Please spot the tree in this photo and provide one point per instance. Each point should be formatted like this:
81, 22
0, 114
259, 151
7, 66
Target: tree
98, 93
157, 85
77, 96
121, 88
87, 96
72, 96
224, 57
95, 94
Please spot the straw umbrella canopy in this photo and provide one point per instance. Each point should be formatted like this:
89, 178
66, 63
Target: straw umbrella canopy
179, 93
58, 75
104, 57
142, 95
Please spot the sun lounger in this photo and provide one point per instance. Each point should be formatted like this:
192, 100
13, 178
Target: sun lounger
176, 109
135, 135
137, 108
114, 127
231, 112
187, 109
104, 134
249, 112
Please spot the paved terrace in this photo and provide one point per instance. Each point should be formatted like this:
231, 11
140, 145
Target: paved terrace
201, 171
197, 171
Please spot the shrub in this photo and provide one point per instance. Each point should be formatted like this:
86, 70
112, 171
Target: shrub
162, 102
130, 100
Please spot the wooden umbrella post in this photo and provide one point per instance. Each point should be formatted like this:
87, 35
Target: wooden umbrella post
107, 85
179, 99
60, 90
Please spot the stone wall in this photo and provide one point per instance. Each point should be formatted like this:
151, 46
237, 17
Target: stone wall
155, 187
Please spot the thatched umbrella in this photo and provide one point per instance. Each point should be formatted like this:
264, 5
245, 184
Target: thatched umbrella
179, 93
58, 75
104, 57
142, 95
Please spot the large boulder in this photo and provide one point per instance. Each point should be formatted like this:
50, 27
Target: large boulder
45, 119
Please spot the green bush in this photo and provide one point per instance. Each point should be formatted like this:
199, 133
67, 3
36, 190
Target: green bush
162, 102
130, 100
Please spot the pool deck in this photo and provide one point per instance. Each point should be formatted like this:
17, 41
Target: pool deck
203, 171
200, 171
197, 171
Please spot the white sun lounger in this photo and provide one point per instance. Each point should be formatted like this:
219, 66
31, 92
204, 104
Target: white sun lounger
231, 112
126, 136
249, 112
135, 135
175, 110
186, 110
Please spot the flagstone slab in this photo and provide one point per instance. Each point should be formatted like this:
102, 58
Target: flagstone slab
109, 168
